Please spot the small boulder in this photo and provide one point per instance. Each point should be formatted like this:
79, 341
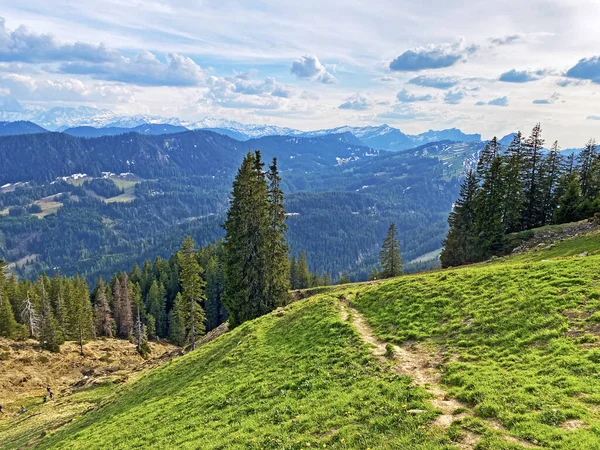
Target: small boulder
583, 254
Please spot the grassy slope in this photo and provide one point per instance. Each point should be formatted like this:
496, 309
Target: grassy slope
283, 381
519, 337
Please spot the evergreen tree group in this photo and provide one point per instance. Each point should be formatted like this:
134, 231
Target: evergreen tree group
256, 265
518, 188
302, 278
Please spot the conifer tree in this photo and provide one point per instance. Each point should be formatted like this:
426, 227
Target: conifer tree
193, 293
513, 185
586, 161
246, 251
488, 202
389, 256
374, 275
105, 324
214, 291
176, 323
459, 245
533, 212
345, 278
156, 307
278, 266
293, 271
302, 272
8, 323
50, 336
551, 173
569, 205
81, 318
123, 306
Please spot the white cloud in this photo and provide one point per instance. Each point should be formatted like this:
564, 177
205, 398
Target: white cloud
310, 67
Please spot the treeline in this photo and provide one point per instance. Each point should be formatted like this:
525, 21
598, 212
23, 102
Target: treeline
518, 188
243, 277
146, 303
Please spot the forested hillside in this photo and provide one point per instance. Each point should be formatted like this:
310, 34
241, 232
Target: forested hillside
340, 198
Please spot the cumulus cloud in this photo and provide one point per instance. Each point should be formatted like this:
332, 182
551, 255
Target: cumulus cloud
434, 82
309, 67
234, 92
564, 82
431, 57
505, 40
406, 97
522, 76
23, 45
356, 102
27, 88
586, 69
454, 96
547, 101
144, 70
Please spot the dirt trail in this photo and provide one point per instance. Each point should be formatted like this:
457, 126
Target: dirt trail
417, 363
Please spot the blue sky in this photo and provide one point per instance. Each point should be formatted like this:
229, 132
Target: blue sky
481, 67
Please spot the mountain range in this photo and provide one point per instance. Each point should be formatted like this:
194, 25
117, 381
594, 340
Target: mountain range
85, 121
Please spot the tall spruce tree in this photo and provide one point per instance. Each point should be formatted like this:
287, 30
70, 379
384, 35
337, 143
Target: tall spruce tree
513, 185
50, 336
585, 160
123, 306
459, 245
551, 173
247, 273
8, 323
105, 324
533, 212
192, 284
302, 272
278, 266
489, 200
389, 256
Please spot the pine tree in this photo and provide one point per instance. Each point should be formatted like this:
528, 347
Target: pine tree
50, 336
123, 306
278, 266
156, 307
215, 285
389, 256
569, 205
8, 324
105, 324
192, 293
533, 212
550, 176
345, 278
489, 201
176, 323
326, 279
246, 251
81, 317
293, 273
586, 161
374, 275
459, 245
513, 185
302, 272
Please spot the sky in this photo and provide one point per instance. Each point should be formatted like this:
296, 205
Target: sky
483, 67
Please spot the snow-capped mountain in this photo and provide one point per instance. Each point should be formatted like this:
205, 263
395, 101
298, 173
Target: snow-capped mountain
382, 137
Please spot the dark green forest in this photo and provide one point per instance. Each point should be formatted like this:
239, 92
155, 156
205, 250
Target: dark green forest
338, 211
515, 189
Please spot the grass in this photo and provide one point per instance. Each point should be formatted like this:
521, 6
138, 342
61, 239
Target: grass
301, 379
519, 339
